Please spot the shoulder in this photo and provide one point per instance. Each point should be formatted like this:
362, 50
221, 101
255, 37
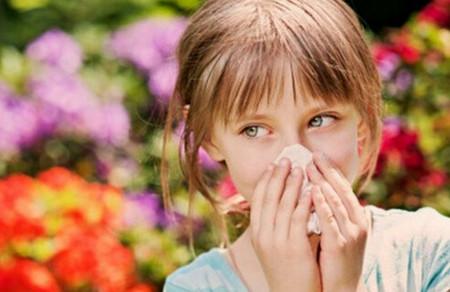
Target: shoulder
424, 224
415, 244
208, 272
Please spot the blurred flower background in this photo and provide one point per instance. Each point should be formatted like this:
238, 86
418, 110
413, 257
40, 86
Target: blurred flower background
84, 88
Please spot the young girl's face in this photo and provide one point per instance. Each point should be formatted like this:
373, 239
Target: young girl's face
250, 144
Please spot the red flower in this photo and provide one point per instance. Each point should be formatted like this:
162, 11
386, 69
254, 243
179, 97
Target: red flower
60, 178
382, 51
437, 12
95, 258
400, 147
19, 217
142, 288
407, 52
111, 199
25, 275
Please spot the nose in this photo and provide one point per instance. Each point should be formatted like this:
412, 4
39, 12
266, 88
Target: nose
293, 137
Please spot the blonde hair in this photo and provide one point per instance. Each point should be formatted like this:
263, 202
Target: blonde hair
234, 55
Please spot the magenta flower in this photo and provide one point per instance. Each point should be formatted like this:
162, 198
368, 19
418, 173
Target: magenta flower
57, 49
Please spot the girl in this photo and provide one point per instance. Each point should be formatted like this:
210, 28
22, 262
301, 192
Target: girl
257, 76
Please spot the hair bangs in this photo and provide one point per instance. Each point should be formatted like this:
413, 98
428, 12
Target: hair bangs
267, 73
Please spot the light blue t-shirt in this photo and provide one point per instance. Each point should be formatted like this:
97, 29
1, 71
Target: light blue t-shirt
405, 251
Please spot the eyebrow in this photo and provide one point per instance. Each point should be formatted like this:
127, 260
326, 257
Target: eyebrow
263, 116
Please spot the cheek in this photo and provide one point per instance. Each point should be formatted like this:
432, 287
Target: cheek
245, 171
345, 155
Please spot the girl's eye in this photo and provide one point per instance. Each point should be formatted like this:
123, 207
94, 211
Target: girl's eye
321, 120
254, 131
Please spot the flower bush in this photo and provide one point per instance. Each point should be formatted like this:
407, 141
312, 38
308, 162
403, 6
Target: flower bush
414, 63
60, 232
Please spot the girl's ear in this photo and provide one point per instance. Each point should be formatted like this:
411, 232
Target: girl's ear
185, 111
212, 150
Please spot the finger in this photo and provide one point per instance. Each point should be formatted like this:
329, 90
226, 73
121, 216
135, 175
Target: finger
341, 185
288, 202
298, 228
272, 195
258, 197
332, 198
337, 207
328, 223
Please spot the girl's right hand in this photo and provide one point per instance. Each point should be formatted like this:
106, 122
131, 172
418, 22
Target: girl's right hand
278, 230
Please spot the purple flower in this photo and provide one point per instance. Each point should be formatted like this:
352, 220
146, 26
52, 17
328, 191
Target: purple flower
57, 49
106, 124
65, 92
135, 44
62, 97
144, 209
162, 81
147, 44
19, 123
403, 80
168, 34
68, 106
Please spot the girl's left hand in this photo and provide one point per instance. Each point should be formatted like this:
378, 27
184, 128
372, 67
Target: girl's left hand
344, 227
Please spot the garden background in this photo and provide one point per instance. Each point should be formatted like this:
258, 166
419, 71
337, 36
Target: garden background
84, 87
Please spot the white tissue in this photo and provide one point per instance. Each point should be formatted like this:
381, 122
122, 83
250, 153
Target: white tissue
300, 156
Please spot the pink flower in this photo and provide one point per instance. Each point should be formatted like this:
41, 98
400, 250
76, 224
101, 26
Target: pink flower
386, 58
226, 188
435, 178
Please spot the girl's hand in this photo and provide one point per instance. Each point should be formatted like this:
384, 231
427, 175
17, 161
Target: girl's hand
278, 230
344, 227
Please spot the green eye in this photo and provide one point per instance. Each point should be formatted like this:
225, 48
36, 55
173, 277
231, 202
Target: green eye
253, 131
319, 120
